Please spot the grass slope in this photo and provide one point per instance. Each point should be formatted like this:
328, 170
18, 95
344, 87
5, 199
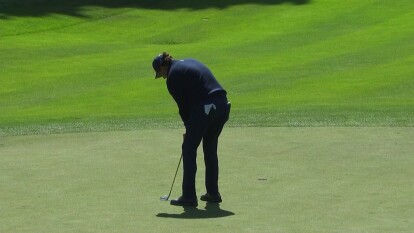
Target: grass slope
286, 180
80, 65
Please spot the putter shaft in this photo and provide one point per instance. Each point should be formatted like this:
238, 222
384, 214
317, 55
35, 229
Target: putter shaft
165, 197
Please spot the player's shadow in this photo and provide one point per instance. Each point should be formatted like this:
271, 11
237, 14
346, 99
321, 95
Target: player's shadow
211, 210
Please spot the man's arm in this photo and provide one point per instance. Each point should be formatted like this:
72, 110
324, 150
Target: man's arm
177, 91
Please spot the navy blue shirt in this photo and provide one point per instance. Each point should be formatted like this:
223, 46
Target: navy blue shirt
189, 83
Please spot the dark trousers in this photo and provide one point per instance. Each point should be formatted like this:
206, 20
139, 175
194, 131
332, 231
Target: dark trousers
205, 123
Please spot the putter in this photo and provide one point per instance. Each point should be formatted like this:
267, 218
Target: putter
165, 197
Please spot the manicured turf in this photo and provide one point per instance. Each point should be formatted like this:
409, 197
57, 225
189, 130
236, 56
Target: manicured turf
272, 180
70, 70
287, 63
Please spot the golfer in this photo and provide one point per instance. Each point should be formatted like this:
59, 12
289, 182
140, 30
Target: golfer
204, 109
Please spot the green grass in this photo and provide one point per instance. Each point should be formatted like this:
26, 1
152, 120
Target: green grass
319, 63
70, 70
271, 179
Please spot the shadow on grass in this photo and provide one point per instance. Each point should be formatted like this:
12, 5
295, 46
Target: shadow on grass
211, 211
73, 7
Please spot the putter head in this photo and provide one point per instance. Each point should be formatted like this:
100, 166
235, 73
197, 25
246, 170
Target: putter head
164, 198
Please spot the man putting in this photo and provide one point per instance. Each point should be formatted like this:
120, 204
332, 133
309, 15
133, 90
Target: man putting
204, 109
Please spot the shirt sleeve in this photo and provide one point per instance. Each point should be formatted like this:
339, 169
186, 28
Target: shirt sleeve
176, 87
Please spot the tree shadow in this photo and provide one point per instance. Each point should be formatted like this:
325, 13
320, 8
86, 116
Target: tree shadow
211, 211
73, 7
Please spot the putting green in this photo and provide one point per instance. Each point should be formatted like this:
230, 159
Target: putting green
272, 180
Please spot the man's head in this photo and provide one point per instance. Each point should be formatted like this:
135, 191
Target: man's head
161, 65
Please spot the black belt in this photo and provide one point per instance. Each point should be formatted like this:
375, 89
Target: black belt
218, 94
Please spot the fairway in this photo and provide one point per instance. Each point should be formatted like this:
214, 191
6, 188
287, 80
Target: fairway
71, 66
272, 180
